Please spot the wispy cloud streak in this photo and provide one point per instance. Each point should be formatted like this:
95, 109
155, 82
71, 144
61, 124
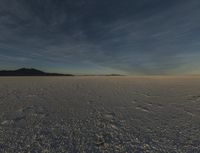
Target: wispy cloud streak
136, 37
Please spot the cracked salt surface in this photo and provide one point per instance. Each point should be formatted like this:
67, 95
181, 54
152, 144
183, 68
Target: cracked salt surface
99, 114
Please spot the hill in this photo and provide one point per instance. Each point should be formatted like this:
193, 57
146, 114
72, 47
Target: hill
29, 72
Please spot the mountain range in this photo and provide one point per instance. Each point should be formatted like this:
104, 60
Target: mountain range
29, 72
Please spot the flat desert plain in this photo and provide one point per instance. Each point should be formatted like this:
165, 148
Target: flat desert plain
100, 114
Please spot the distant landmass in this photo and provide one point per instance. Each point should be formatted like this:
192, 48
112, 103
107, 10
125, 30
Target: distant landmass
103, 75
29, 72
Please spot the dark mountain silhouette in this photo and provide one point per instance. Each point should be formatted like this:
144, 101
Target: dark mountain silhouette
29, 72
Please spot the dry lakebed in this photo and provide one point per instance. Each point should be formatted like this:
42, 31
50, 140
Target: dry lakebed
100, 114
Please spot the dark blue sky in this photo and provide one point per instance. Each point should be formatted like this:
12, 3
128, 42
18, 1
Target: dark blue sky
101, 36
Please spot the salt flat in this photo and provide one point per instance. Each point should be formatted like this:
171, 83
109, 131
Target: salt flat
99, 114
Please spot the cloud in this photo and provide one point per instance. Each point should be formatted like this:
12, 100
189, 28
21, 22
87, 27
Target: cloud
138, 37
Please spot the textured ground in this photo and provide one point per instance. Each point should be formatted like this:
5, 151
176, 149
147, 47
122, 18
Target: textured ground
100, 114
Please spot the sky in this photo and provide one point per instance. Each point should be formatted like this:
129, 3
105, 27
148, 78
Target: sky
135, 37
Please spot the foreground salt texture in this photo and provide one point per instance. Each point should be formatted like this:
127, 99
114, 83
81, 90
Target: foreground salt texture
99, 114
